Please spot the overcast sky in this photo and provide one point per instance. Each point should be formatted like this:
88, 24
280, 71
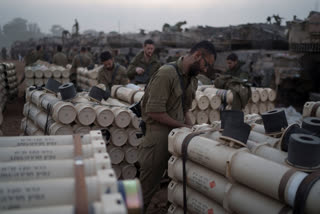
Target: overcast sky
131, 15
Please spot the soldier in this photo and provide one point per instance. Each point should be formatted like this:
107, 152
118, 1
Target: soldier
34, 55
144, 64
60, 58
89, 53
234, 67
236, 80
111, 73
72, 53
4, 53
174, 58
168, 108
80, 60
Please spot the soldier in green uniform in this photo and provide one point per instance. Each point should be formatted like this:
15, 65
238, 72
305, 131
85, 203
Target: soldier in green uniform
168, 108
234, 67
80, 60
144, 64
60, 58
111, 73
34, 55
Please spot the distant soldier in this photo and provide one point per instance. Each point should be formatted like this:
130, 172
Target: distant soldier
118, 57
234, 67
72, 53
268, 20
111, 73
4, 53
80, 60
236, 80
60, 58
89, 53
144, 64
174, 58
129, 55
34, 55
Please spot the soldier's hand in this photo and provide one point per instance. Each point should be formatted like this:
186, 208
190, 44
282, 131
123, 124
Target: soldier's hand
139, 70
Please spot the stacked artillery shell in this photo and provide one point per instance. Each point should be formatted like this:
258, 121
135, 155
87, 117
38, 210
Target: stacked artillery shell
8, 86
262, 100
87, 78
209, 101
225, 179
39, 74
9, 76
311, 109
48, 175
46, 114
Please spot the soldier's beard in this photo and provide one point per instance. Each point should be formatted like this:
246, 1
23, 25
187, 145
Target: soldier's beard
194, 69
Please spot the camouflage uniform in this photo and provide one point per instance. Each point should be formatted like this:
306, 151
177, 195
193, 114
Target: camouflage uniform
117, 76
80, 60
153, 151
60, 59
204, 79
238, 72
240, 90
149, 68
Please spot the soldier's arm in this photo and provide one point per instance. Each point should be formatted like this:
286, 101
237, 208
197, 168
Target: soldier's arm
123, 76
131, 71
164, 118
102, 79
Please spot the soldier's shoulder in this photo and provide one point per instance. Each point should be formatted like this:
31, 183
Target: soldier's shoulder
167, 70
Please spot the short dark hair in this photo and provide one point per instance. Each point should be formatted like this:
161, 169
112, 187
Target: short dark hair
148, 42
233, 57
206, 46
59, 48
104, 56
38, 47
83, 49
88, 48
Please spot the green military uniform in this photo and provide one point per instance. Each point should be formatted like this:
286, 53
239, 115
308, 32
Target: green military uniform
204, 79
90, 55
80, 60
240, 90
60, 59
238, 72
33, 56
118, 76
149, 68
153, 151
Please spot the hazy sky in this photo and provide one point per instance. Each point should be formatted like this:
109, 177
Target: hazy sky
131, 15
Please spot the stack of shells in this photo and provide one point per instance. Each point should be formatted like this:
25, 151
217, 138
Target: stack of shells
8, 86
46, 114
223, 177
311, 109
87, 78
43, 167
209, 101
39, 73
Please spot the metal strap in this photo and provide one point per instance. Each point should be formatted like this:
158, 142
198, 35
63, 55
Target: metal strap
184, 152
314, 109
81, 195
303, 192
283, 183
